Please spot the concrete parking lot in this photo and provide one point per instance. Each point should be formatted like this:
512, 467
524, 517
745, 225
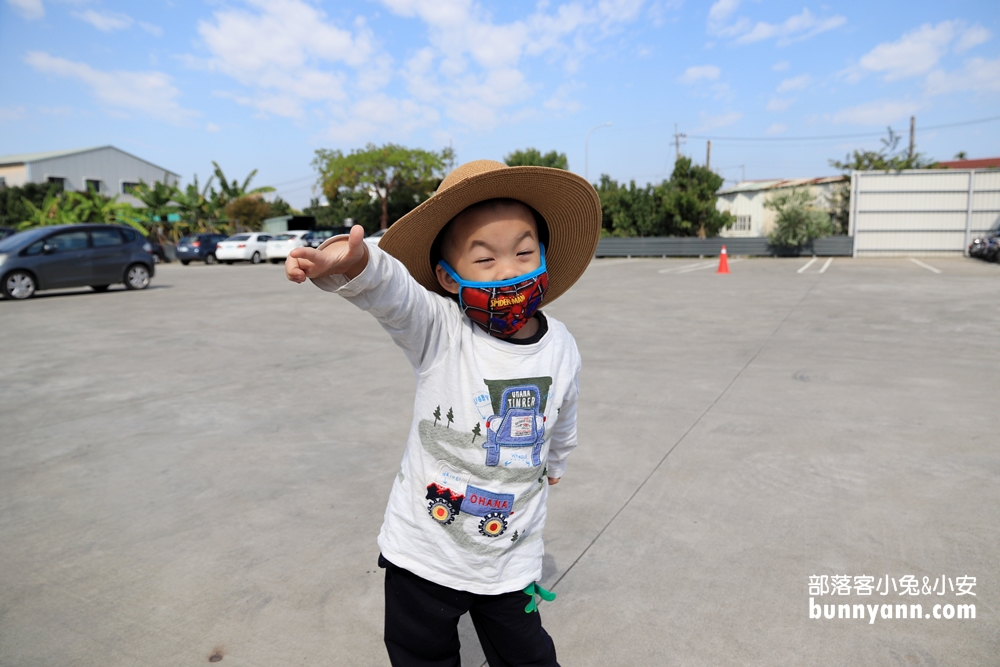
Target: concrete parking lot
197, 472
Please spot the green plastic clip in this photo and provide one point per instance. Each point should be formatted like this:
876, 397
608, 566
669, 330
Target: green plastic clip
534, 589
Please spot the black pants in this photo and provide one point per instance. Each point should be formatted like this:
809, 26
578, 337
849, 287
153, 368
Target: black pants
421, 624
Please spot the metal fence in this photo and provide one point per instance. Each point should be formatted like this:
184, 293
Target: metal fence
670, 246
921, 212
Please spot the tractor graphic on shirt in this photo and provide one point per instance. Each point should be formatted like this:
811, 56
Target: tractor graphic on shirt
450, 494
520, 425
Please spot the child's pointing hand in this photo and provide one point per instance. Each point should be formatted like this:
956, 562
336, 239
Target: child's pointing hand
348, 257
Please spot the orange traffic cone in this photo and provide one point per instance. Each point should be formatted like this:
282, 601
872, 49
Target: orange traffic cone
723, 261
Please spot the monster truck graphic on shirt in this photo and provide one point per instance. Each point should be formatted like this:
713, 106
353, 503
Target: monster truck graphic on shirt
520, 424
450, 494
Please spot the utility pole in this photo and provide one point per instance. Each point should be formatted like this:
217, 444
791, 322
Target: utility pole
678, 140
708, 156
913, 131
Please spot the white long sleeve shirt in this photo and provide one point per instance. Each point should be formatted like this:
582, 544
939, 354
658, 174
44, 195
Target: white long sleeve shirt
491, 420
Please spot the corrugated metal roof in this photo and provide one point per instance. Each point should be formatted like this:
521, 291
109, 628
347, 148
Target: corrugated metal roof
24, 158
775, 183
35, 157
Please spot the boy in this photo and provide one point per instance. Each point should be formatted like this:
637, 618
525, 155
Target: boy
457, 283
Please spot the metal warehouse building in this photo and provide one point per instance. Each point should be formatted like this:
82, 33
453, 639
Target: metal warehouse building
922, 212
106, 169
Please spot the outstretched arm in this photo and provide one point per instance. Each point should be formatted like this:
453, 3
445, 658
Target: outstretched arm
347, 257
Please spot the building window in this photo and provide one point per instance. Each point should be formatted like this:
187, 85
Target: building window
128, 187
57, 180
96, 186
3, 181
742, 223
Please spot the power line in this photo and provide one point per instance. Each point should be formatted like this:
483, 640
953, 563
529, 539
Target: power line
834, 137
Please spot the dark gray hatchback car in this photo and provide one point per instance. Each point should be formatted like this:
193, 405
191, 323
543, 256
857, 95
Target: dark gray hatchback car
73, 256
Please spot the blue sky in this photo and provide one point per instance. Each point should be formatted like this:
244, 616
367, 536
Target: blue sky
257, 84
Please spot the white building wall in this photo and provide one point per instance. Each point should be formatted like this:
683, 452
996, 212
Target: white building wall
109, 165
14, 175
751, 203
922, 212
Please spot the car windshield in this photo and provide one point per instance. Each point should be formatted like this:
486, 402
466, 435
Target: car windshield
283, 237
239, 237
17, 240
187, 240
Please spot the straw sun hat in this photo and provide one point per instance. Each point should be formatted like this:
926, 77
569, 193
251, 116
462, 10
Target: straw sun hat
568, 203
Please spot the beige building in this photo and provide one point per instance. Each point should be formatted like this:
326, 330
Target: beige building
745, 201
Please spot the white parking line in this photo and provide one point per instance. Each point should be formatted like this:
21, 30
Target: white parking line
827, 265
687, 267
926, 266
808, 264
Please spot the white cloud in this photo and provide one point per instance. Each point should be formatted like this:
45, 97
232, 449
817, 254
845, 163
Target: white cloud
781, 66
722, 10
105, 21
776, 128
972, 38
913, 54
150, 93
978, 75
288, 57
699, 72
713, 122
12, 113
795, 83
561, 101
778, 104
212, 127
793, 29
29, 9
878, 112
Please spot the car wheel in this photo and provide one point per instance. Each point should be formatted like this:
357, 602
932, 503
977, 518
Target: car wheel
156, 259
210, 258
19, 285
99, 288
185, 262
255, 259
137, 277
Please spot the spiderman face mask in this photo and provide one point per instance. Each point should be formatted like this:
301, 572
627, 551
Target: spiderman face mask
502, 307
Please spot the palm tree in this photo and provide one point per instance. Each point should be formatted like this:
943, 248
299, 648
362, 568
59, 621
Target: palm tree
230, 191
53, 211
196, 206
157, 200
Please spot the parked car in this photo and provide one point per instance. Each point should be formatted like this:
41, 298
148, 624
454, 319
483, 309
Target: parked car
279, 246
156, 251
73, 256
245, 247
316, 237
375, 237
198, 248
7, 231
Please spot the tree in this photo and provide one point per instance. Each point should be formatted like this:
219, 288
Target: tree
887, 158
689, 201
13, 210
437, 414
531, 157
476, 432
629, 211
234, 190
798, 220
381, 171
246, 213
450, 417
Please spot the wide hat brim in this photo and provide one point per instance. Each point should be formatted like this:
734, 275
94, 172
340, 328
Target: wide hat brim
567, 202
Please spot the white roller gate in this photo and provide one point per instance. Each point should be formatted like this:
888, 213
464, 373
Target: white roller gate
922, 212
